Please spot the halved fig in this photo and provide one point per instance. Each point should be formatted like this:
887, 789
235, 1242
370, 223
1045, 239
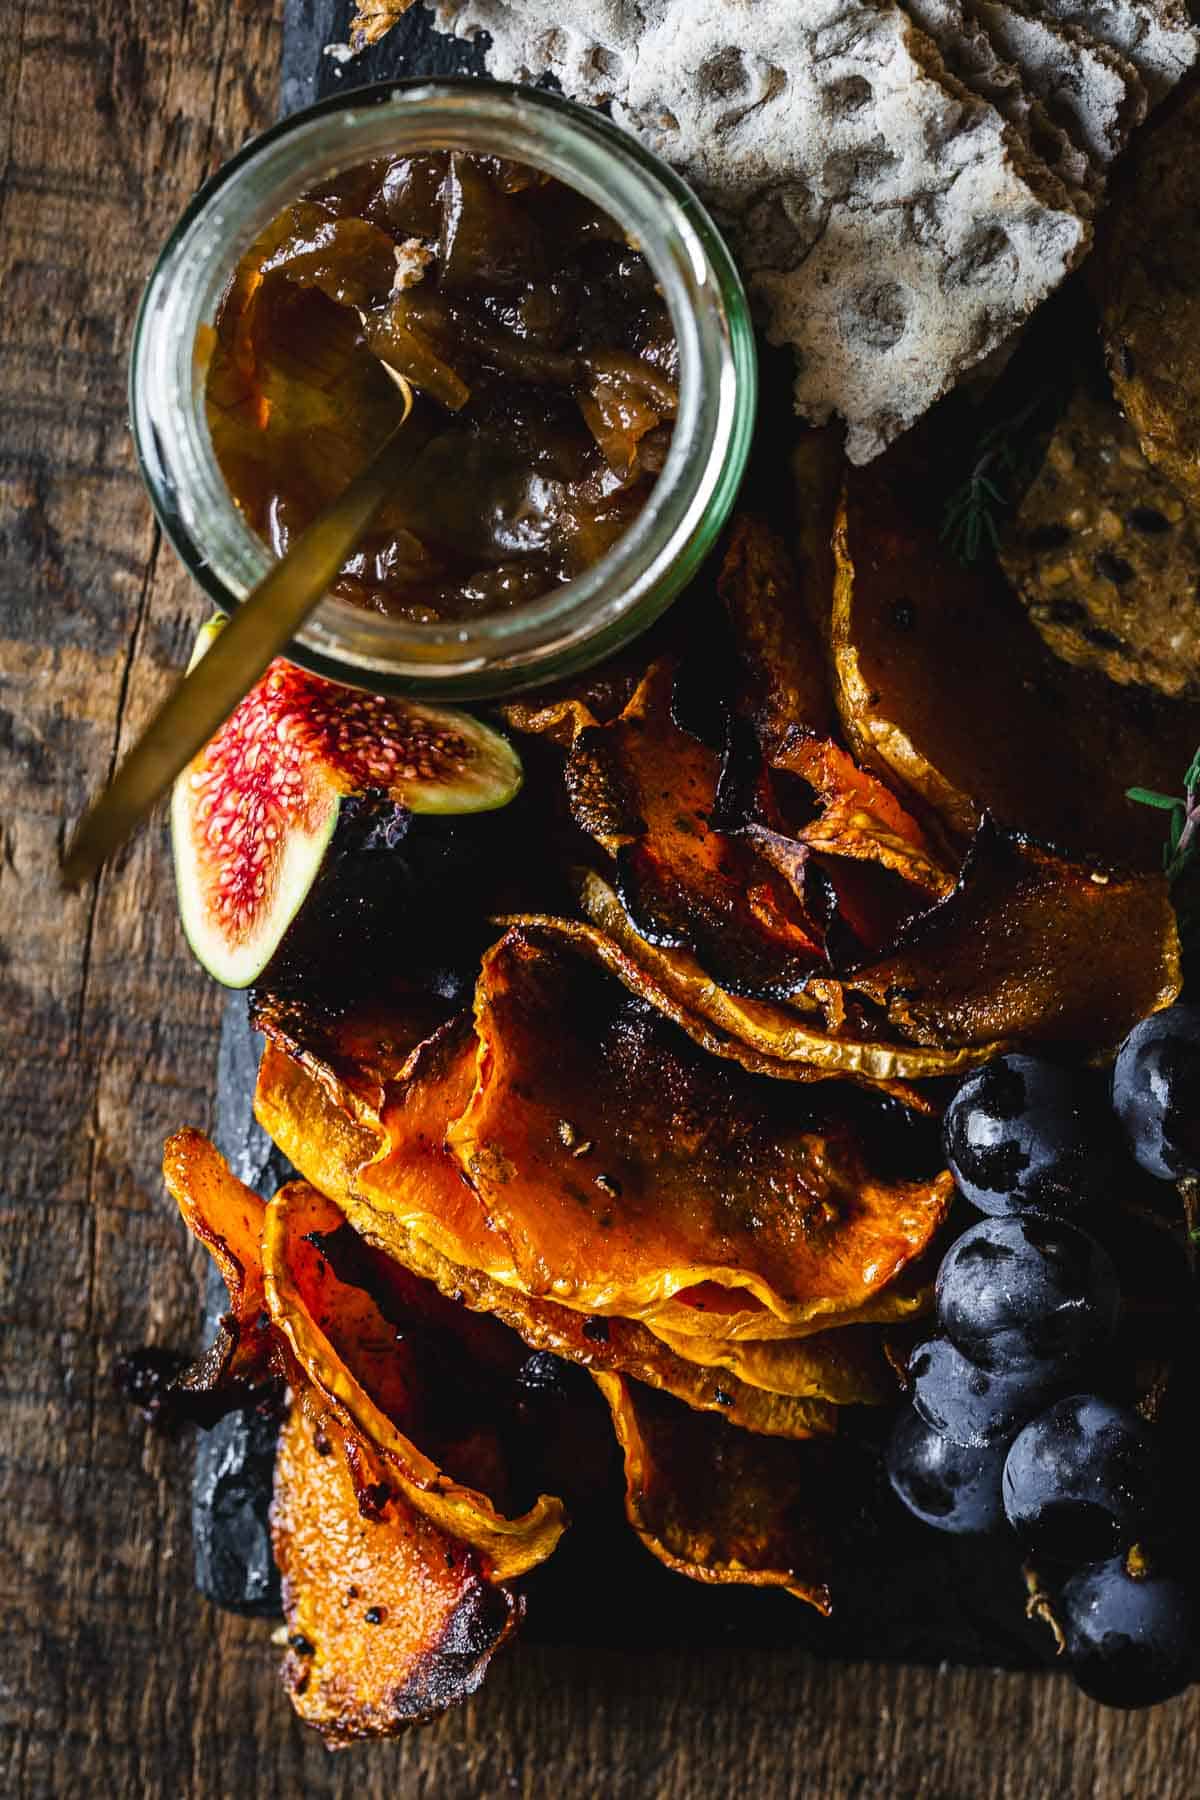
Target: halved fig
253, 816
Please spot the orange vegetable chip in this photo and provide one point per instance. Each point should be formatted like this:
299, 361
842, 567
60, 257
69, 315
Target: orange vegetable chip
706, 1311
618, 1164
1033, 947
308, 1123
355, 1054
227, 1217
403, 1367
846, 1364
390, 1621
720, 1505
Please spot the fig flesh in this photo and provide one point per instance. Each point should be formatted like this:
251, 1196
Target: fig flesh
253, 815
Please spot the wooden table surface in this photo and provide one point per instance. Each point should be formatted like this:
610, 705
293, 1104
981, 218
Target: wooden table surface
115, 1679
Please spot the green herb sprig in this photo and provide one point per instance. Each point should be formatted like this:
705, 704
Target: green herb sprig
1007, 460
1183, 826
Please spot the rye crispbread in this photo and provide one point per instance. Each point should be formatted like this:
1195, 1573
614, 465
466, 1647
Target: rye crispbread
893, 227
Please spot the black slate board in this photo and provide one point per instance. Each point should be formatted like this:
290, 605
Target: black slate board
906, 1594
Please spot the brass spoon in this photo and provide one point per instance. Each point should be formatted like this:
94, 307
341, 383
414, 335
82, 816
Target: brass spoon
261, 628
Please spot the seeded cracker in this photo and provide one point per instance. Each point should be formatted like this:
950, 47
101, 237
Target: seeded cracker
1147, 278
1106, 555
893, 228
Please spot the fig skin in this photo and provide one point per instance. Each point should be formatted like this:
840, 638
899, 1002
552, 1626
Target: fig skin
396, 896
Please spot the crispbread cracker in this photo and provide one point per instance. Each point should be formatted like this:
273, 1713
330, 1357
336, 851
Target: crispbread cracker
1158, 36
1089, 88
1106, 555
971, 57
892, 226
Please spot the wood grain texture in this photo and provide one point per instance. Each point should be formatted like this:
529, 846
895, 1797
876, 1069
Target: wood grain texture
115, 1680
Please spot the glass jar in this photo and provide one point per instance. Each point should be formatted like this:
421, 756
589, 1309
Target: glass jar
573, 625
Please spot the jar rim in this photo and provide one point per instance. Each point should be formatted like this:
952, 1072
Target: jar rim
650, 561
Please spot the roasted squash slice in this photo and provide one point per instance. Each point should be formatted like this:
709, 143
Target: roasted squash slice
1031, 947
708, 1311
794, 1409
846, 1365
416, 1378
944, 686
308, 1122
705, 861
389, 1620
645, 789
720, 1505
617, 1164
355, 1054
227, 1218
315, 1129
766, 1037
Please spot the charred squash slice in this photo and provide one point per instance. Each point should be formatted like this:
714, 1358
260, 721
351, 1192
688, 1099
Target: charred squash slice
390, 1621
717, 1504
766, 1037
1031, 947
945, 688
227, 1218
356, 1054
308, 1122
617, 1164
401, 1366
785, 691
646, 790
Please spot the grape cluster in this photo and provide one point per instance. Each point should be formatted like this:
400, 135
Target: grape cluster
1004, 1432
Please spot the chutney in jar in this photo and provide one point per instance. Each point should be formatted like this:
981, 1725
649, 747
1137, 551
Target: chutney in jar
539, 347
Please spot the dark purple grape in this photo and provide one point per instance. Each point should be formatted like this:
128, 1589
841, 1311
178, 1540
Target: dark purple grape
946, 1485
975, 1407
1129, 1636
1156, 1092
1082, 1481
1025, 1135
1014, 1293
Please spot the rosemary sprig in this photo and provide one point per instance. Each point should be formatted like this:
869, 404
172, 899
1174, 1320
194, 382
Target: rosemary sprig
969, 522
1183, 825
970, 513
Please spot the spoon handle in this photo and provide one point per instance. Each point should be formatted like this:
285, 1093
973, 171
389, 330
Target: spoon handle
259, 630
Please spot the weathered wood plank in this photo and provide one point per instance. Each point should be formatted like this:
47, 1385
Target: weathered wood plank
114, 1679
